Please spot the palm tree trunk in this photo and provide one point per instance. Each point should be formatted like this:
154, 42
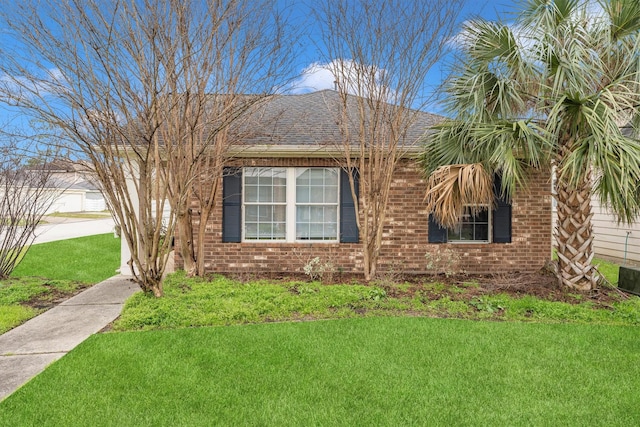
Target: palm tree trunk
574, 236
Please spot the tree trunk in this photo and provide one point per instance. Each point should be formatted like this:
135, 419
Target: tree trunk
185, 233
155, 286
574, 236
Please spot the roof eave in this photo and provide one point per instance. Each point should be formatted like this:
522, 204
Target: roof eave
303, 151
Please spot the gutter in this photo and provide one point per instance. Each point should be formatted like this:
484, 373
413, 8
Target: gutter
305, 151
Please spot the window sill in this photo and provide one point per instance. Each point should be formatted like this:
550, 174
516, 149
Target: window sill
295, 242
469, 242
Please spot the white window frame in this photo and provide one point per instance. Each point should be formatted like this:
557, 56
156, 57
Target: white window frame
489, 232
291, 206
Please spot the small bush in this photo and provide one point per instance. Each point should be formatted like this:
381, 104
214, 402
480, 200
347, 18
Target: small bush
447, 262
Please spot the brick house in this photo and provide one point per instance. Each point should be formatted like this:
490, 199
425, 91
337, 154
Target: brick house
285, 199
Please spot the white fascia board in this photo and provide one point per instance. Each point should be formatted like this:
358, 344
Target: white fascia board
304, 151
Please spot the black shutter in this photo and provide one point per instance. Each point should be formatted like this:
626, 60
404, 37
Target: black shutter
501, 215
437, 234
232, 205
348, 226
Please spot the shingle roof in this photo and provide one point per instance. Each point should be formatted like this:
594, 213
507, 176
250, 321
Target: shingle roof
312, 119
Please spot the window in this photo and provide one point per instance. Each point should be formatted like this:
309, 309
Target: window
265, 203
316, 204
472, 228
490, 226
290, 204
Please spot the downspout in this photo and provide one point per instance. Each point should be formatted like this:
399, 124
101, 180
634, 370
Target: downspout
626, 241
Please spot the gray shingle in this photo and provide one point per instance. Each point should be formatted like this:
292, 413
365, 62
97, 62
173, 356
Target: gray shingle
311, 119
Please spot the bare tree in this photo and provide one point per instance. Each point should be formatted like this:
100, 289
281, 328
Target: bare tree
25, 196
218, 71
128, 85
381, 51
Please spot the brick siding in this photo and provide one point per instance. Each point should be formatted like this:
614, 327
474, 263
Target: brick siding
405, 234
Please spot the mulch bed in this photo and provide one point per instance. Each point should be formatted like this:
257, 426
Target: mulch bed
53, 297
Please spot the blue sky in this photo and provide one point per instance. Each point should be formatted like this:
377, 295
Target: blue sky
315, 78
488, 9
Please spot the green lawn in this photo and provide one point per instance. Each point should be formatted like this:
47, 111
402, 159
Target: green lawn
88, 259
353, 372
52, 270
87, 215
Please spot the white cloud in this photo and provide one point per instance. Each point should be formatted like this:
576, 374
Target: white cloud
355, 78
315, 77
33, 87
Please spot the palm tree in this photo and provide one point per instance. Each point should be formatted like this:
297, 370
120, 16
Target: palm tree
557, 87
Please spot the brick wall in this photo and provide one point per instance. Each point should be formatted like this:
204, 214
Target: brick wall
405, 234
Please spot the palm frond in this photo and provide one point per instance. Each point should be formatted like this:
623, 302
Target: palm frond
624, 16
453, 189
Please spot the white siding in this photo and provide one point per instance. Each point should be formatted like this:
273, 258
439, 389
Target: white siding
612, 240
67, 201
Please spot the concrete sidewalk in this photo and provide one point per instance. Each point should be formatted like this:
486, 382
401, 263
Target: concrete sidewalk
28, 349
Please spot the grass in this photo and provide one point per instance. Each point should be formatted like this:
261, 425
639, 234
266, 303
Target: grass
51, 271
23, 298
88, 259
608, 269
354, 372
192, 302
87, 215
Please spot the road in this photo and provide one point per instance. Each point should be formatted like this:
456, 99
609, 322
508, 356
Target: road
69, 228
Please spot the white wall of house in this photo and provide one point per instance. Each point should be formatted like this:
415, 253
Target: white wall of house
67, 201
125, 253
77, 200
613, 241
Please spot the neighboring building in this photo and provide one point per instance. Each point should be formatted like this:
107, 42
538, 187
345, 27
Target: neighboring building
75, 190
613, 241
284, 200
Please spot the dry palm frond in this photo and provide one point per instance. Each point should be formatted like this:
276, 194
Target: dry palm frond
454, 188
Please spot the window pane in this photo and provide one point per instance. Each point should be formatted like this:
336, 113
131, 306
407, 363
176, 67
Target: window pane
302, 231
279, 213
471, 228
265, 231
302, 194
279, 194
279, 230
303, 214
331, 194
482, 232
331, 231
466, 232
317, 223
316, 231
331, 177
317, 214
331, 214
251, 213
316, 177
317, 195
482, 216
251, 231
265, 194
250, 193
302, 177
